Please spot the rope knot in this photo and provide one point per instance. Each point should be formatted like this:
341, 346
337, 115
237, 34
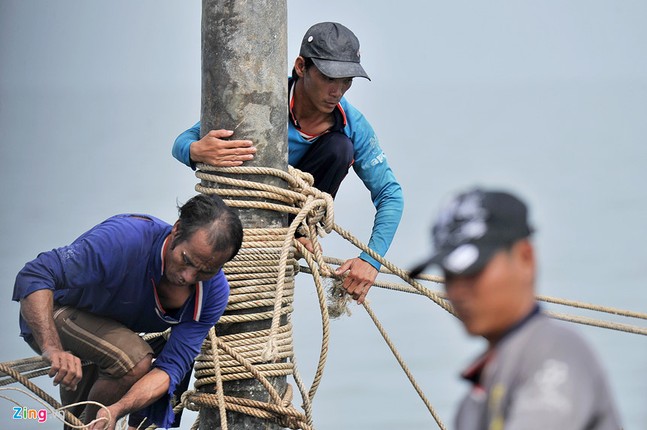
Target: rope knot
270, 352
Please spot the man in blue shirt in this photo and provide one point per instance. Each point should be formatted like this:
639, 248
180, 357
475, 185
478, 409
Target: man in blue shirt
130, 274
536, 373
326, 135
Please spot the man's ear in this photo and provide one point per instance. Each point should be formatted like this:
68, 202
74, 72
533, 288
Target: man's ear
175, 234
299, 66
526, 255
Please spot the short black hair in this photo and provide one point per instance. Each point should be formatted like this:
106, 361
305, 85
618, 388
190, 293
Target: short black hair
225, 230
306, 66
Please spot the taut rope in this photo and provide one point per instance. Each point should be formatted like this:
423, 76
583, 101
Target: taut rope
262, 290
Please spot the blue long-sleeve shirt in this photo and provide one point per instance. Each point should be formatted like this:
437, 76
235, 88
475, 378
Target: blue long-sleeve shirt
112, 271
370, 165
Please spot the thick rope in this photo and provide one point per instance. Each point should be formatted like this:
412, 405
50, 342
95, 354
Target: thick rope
325, 321
69, 418
216, 370
317, 264
403, 365
577, 319
261, 277
262, 288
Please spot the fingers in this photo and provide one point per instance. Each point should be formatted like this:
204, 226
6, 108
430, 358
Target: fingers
307, 243
245, 146
362, 296
103, 421
360, 276
353, 285
358, 290
66, 369
236, 143
230, 162
220, 133
242, 146
213, 149
344, 267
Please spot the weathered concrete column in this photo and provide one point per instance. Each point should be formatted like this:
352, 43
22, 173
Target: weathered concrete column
244, 88
244, 81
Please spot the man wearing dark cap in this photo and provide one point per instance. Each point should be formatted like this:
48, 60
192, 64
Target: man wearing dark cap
326, 135
536, 373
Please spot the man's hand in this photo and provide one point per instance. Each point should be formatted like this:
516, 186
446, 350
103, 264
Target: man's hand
104, 420
307, 243
147, 390
65, 368
213, 150
37, 309
359, 279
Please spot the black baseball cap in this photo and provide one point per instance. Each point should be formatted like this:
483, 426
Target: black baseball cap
472, 227
334, 49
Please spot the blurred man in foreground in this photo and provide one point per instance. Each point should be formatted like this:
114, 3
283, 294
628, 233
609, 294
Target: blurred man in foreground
536, 373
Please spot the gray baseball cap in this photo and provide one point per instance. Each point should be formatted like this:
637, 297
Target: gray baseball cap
473, 227
334, 49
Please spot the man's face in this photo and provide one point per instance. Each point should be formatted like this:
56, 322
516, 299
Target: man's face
192, 260
323, 92
494, 299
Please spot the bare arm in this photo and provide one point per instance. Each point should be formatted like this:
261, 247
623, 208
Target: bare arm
37, 309
212, 149
145, 392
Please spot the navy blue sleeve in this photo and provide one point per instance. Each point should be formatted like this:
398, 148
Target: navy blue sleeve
84, 263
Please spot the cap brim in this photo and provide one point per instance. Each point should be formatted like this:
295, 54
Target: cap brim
340, 69
417, 270
467, 259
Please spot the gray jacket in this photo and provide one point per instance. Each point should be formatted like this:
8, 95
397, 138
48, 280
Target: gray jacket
542, 375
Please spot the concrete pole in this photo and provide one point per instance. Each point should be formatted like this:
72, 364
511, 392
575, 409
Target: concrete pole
244, 88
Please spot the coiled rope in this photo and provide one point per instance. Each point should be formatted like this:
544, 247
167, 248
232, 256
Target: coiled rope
262, 288
29, 366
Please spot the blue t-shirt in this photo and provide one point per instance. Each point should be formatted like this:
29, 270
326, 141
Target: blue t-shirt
112, 270
370, 165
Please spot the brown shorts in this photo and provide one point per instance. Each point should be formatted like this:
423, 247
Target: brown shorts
112, 347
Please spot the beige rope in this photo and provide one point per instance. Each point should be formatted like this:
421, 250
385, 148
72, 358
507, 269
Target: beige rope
325, 319
627, 328
404, 275
216, 370
403, 365
69, 418
262, 289
318, 266
590, 306
577, 319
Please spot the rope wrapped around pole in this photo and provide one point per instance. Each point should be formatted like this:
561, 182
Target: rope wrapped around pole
261, 278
